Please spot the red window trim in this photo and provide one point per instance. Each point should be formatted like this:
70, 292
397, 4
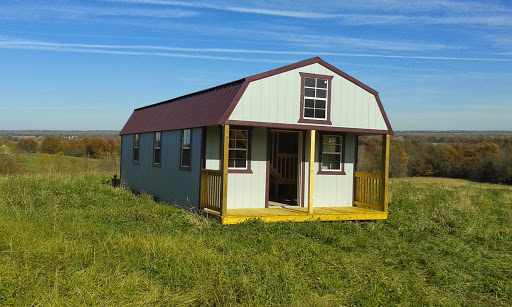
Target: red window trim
340, 172
303, 120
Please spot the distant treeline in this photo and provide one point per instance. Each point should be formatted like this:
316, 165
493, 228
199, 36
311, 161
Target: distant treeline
54, 149
467, 156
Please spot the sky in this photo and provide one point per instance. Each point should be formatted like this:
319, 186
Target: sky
85, 65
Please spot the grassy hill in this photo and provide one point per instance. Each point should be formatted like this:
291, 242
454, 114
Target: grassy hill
68, 240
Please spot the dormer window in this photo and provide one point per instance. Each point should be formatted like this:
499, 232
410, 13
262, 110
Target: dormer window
315, 98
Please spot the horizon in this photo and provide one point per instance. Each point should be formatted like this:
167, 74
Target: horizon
438, 66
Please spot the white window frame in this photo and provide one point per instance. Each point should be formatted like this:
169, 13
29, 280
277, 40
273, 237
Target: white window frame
340, 153
315, 88
136, 144
230, 149
159, 147
183, 147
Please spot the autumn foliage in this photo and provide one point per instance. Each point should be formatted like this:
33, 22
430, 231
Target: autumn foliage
27, 145
479, 159
93, 148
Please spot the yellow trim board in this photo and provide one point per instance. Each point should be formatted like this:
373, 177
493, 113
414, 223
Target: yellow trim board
271, 215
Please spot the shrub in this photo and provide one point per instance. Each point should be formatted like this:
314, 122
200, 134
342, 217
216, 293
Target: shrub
10, 162
27, 145
50, 145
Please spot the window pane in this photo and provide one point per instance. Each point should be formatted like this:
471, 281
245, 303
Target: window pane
309, 92
157, 156
310, 103
231, 163
331, 161
185, 157
319, 113
321, 83
136, 155
240, 163
186, 137
157, 139
241, 144
321, 93
309, 112
310, 82
335, 166
240, 154
320, 104
136, 140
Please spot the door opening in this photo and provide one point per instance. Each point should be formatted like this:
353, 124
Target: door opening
284, 168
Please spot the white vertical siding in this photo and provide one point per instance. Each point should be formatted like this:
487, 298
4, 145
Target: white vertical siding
331, 190
212, 154
276, 99
249, 190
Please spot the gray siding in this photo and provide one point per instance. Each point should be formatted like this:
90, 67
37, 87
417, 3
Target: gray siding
169, 182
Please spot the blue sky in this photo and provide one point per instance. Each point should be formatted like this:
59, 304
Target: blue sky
438, 65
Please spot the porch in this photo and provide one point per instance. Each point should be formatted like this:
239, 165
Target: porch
297, 214
369, 197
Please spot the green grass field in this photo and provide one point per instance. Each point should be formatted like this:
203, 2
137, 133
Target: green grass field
36, 163
71, 240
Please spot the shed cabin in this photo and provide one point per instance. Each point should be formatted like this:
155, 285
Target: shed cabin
278, 146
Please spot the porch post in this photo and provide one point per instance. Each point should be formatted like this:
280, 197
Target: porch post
385, 172
225, 158
312, 135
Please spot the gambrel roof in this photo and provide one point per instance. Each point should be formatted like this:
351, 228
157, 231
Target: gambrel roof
213, 106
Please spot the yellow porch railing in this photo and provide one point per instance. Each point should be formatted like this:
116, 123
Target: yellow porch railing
211, 190
368, 190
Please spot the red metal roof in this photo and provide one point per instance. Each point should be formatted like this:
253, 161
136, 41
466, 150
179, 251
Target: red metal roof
204, 108
214, 106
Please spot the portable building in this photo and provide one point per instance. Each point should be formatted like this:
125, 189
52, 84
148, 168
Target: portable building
280, 145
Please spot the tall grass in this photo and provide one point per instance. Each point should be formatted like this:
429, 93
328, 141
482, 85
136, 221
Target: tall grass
69, 240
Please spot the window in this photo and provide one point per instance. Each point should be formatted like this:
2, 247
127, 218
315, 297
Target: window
136, 148
185, 148
332, 154
315, 98
238, 149
157, 148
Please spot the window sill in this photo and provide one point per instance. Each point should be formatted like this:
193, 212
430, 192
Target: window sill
315, 121
135, 162
157, 165
239, 171
331, 173
184, 168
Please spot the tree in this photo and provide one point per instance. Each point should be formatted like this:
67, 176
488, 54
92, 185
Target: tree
97, 148
50, 145
27, 145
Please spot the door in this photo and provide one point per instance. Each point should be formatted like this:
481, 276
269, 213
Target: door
285, 168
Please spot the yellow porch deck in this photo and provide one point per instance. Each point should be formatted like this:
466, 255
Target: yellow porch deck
292, 214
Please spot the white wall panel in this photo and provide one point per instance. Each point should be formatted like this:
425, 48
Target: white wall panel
276, 99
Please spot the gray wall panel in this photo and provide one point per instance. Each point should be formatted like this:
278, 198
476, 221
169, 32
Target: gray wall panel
169, 182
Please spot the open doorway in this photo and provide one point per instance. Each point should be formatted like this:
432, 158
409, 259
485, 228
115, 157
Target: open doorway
285, 168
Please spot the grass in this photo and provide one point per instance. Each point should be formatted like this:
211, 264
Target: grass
70, 240
59, 164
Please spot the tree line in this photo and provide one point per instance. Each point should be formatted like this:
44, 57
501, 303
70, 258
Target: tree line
87, 147
484, 159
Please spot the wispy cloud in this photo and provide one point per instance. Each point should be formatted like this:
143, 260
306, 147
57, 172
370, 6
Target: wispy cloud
442, 12
152, 50
69, 11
